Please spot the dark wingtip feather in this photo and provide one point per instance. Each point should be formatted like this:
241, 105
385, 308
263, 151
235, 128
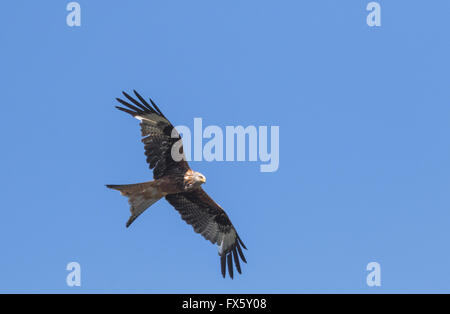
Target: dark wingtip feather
140, 108
241, 254
130, 106
242, 243
144, 102
156, 107
134, 101
222, 265
127, 111
140, 97
230, 265
236, 260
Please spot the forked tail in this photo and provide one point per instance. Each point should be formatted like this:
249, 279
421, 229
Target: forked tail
140, 197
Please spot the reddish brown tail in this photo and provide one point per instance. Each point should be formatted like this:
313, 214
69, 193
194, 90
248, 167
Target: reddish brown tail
140, 197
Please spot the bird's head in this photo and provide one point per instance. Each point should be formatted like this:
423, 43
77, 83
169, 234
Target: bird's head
194, 179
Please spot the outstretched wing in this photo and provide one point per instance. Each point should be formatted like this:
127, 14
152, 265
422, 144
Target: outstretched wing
159, 136
211, 221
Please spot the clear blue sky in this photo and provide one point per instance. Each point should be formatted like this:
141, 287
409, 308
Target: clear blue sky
364, 170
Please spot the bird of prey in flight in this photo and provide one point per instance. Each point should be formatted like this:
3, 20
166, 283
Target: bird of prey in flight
178, 183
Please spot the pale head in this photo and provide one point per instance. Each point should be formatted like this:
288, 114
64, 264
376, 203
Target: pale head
193, 179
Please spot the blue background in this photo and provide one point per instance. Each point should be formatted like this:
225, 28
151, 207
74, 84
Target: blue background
363, 112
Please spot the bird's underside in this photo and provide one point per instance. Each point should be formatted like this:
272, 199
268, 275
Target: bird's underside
180, 185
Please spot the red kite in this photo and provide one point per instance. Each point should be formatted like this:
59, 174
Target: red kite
178, 183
